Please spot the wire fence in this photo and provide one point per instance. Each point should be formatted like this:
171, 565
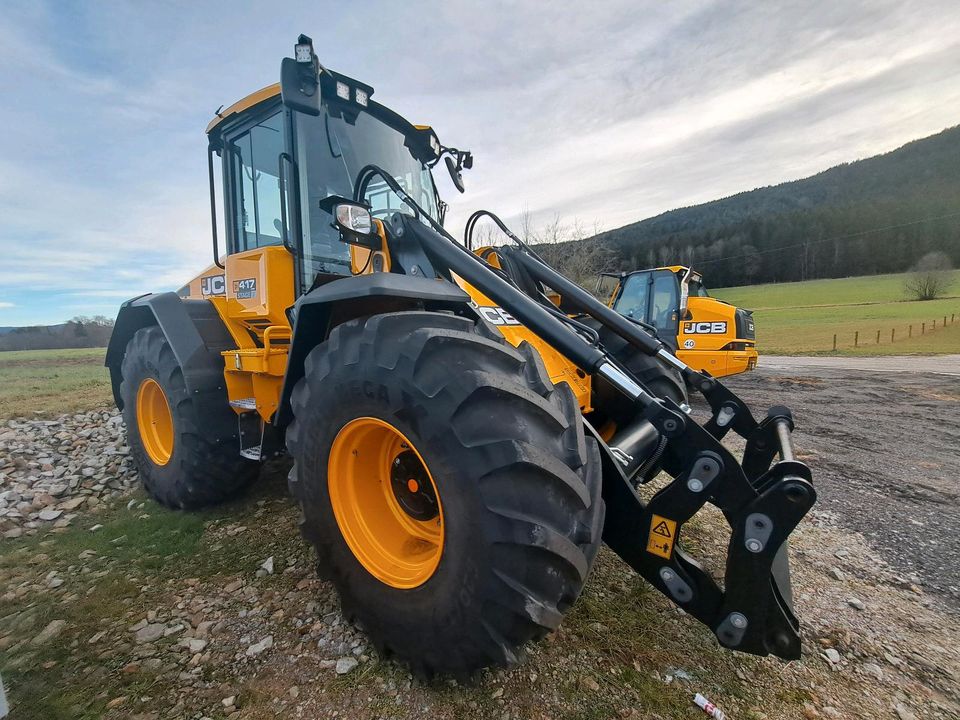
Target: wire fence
891, 336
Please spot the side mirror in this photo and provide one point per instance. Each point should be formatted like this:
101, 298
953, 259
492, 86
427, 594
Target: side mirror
454, 170
300, 78
354, 222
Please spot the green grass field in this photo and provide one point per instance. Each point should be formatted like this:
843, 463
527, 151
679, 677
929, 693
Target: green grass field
802, 318
48, 383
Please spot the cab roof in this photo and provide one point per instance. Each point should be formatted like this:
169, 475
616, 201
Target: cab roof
254, 98
271, 92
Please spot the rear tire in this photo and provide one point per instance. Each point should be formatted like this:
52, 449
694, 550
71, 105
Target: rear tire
181, 466
518, 483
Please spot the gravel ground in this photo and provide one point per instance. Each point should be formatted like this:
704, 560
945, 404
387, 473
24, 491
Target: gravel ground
885, 452
129, 622
934, 364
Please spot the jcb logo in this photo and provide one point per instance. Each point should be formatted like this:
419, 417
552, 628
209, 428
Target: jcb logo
497, 316
213, 285
704, 328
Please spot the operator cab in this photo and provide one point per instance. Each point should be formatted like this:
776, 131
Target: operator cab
282, 163
658, 297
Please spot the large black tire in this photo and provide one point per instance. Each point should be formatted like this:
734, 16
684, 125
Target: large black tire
202, 470
518, 482
660, 379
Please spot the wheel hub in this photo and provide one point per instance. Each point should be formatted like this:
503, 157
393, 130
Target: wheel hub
385, 502
412, 487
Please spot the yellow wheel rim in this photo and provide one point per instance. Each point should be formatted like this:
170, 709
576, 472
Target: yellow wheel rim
385, 502
154, 421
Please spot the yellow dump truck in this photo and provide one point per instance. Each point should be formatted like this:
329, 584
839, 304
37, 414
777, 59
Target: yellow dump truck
706, 333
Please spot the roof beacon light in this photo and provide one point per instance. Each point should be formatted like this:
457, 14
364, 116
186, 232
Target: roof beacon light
343, 90
434, 144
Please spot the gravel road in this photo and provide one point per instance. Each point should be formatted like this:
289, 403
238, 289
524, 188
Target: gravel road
885, 451
937, 364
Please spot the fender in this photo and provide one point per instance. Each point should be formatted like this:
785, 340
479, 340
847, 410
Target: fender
193, 328
320, 310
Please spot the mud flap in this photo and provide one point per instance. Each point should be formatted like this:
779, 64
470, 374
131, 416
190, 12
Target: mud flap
763, 501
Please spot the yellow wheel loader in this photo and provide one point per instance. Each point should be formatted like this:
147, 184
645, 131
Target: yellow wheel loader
706, 333
463, 437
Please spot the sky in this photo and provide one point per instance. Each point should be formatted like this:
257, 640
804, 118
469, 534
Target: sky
603, 112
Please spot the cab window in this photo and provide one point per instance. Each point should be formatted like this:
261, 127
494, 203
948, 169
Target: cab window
255, 157
634, 296
696, 289
666, 303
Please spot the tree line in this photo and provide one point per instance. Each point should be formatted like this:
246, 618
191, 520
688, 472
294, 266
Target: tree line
79, 332
879, 215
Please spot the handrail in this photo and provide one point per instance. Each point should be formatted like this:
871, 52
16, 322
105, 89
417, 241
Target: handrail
213, 208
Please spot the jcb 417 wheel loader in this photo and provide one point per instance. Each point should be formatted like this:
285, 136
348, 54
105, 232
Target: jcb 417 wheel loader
465, 427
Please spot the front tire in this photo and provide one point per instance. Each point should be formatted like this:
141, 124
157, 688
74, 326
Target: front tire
518, 512
180, 465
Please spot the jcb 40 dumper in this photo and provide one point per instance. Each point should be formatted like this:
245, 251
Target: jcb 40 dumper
443, 408
706, 333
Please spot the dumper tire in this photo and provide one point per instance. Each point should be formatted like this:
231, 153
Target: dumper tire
518, 485
201, 469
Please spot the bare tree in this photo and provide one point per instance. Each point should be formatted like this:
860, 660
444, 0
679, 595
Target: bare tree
930, 278
574, 252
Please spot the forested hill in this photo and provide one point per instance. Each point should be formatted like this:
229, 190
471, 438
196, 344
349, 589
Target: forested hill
870, 216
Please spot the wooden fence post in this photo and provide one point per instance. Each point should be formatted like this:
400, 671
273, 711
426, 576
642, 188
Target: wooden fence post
893, 334
923, 328
934, 325
834, 342
856, 338
878, 337
910, 332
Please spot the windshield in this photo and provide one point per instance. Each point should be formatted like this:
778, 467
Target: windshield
332, 149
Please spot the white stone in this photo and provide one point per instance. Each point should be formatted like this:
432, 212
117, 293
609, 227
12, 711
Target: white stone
259, 647
345, 665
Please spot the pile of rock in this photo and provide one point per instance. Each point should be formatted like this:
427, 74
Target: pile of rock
49, 469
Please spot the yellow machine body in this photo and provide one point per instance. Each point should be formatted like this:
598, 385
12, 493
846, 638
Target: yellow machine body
710, 334
254, 289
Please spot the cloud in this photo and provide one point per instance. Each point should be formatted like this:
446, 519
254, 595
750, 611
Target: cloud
4, 305
609, 114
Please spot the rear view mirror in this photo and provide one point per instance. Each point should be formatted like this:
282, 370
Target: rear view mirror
455, 175
300, 78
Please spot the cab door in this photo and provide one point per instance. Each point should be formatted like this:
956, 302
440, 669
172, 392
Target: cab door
633, 299
652, 297
664, 306
260, 283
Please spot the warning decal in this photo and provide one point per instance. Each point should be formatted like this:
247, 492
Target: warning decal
663, 532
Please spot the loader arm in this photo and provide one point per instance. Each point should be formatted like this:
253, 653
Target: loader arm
762, 501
